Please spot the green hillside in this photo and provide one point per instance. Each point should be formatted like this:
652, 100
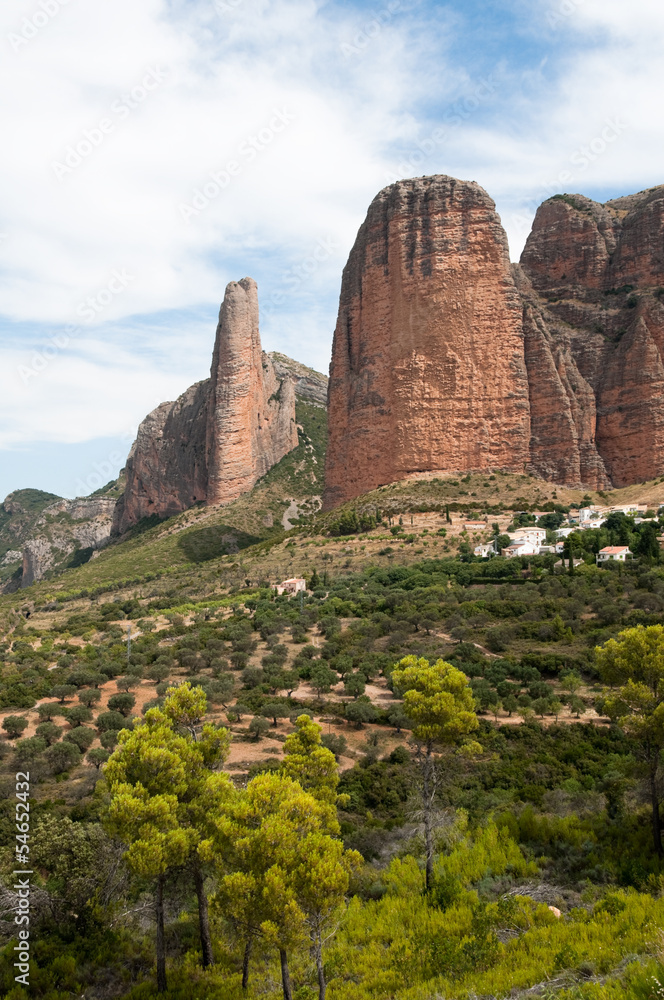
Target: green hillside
545, 878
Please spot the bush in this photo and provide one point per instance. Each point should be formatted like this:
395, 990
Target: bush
82, 737
355, 684
89, 697
275, 710
47, 710
258, 726
62, 692
27, 750
48, 731
77, 715
110, 720
97, 756
14, 725
337, 743
360, 711
62, 756
122, 703
109, 739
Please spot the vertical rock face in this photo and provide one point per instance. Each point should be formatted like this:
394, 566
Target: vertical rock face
251, 415
444, 360
591, 283
216, 440
428, 369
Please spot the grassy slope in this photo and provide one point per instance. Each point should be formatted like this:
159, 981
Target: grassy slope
200, 545
202, 533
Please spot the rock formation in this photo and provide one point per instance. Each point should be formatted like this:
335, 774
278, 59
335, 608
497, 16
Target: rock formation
53, 534
445, 360
428, 367
310, 385
591, 278
221, 435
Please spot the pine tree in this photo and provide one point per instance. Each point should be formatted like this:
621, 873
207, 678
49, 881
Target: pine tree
164, 797
437, 698
635, 662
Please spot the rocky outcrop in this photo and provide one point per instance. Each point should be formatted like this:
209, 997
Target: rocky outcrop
592, 311
40, 532
213, 443
445, 361
64, 534
428, 368
310, 385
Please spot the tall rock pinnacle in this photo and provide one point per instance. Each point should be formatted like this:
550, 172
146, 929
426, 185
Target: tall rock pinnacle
251, 416
220, 436
428, 369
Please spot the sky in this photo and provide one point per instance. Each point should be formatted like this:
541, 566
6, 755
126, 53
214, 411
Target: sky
154, 150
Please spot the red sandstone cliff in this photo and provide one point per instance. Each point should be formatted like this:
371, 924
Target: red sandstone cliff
443, 360
594, 273
427, 367
220, 436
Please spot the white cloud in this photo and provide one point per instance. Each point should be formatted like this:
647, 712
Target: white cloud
362, 90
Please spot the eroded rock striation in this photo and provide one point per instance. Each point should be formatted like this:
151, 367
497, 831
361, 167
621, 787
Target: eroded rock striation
446, 359
428, 368
220, 436
591, 278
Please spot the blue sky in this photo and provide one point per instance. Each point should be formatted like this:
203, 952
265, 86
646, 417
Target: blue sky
154, 151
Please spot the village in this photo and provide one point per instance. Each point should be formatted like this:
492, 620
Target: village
538, 540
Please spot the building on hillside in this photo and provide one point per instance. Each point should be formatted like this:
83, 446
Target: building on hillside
292, 586
629, 508
474, 525
613, 553
564, 532
486, 550
535, 535
520, 547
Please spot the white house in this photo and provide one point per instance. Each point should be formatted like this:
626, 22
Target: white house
486, 550
520, 547
588, 514
292, 586
616, 553
630, 508
564, 532
535, 535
